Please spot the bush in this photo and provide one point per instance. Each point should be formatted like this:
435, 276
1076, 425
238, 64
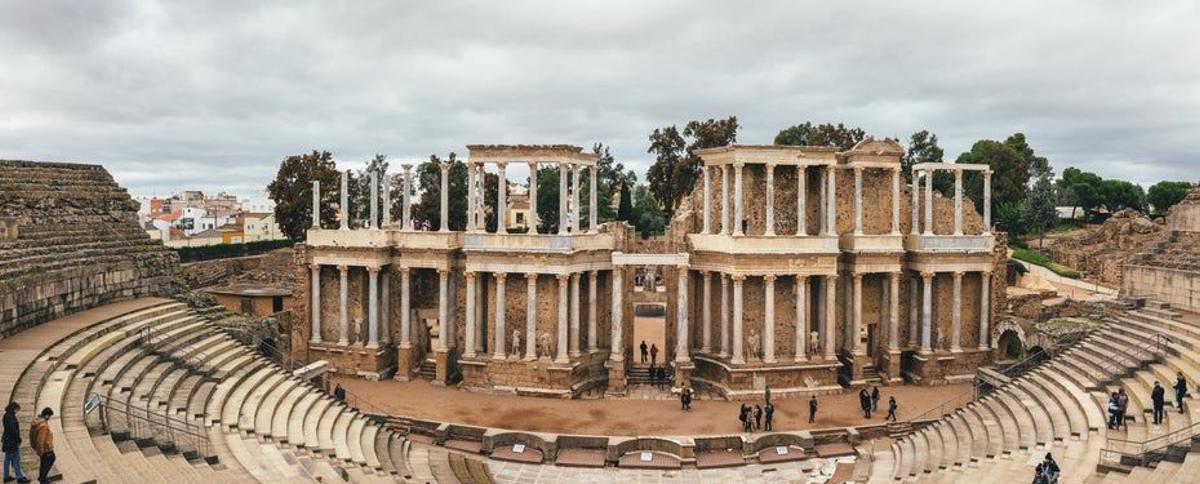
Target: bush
1035, 257
209, 252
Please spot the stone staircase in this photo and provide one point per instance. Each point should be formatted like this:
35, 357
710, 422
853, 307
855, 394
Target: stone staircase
428, 369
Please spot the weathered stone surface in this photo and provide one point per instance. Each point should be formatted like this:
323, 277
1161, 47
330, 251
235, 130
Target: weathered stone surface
1102, 251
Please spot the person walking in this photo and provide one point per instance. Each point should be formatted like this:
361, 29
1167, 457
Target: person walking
875, 399
1180, 391
1158, 398
339, 393
42, 442
653, 353
1114, 411
812, 409
643, 351
12, 444
744, 417
769, 412
758, 413
891, 409
1123, 400
864, 402
683, 399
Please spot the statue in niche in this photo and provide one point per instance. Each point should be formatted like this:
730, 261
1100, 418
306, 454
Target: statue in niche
543, 350
754, 341
650, 279
358, 326
516, 343
941, 341
814, 344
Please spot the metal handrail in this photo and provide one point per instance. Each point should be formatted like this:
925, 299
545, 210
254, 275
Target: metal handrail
149, 336
143, 423
1120, 448
948, 406
1111, 366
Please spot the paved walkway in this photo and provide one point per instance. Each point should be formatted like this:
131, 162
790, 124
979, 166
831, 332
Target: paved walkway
806, 471
419, 399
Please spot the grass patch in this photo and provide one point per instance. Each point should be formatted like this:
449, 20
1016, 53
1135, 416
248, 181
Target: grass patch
1034, 257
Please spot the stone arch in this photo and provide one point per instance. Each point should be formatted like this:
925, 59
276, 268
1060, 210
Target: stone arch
1009, 346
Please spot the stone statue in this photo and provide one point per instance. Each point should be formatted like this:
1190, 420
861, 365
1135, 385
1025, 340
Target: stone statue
814, 344
649, 279
544, 345
516, 343
755, 343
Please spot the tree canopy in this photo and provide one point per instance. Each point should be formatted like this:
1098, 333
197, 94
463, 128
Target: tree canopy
922, 148
292, 192
1040, 213
828, 134
1165, 194
426, 212
676, 166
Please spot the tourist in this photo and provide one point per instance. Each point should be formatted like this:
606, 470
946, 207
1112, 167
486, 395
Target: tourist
43, 444
1158, 398
1123, 399
653, 353
864, 402
875, 399
12, 443
683, 399
1114, 411
812, 409
891, 409
1180, 391
758, 412
339, 393
1048, 469
643, 351
744, 417
769, 412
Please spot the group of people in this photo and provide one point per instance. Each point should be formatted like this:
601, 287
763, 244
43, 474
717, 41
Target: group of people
651, 352
869, 402
1047, 471
658, 376
686, 395
752, 419
40, 440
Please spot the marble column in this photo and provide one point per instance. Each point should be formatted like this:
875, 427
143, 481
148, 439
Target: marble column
958, 212
956, 315
530, 317
315, 313
770, 195
560, 353
823, 205
681, 324
831, 210
443, 310
343, 306
372, 307
738, 357
707, 199
574, 335
386, 187
593, 325
926, 312
914, 312
373, 222
406, 202
563, 174
316, 205
724, 316
858, 201
769, 319
592, 206
916, 203
987, 202
726, 229
830, 290
444, 220
344, 206
929, 202
985, 300
502, 199
532, 220
858, 348
896, 202
405, 312
706, 313
471, 175
385, 317
576, 199
801, 200
498, 340
617, 344
893, 312
801, 350
469, 331
737, 200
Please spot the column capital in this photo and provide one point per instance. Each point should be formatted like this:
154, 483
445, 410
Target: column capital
531, 276
373, 269
563, 277
445, 166
986, 273
770, 165
769, 277
857, 275
831, 277
406, 167
958, 274
470, 275
593, 275
343, 268
502, 165
443, 272
704, 272
500, 275
737, 165
314, 265
801, 277
927, 274
858, 170
738, 277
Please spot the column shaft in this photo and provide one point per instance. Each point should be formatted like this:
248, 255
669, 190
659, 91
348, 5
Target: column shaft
471, 175
737, 200
562, 199
405, 320
916, 203
316, 204
894, 311
770, 195
681, 325
914, 312
738, 357
858, 348
532, 220
444, 219
896, 202
372, 307
385, 317
801, 351
469, 331
958, 212
560, 353
385, 183
498, 352
343, 307
315, 292
726, 229
724, 316
830, 290
929, 202
373, 222
344, 206
574, 335
926, 312
987, 202
858, 201
956, 314
706, 313
592, 206
502, 200
707, 199
985, 301
801, 200
443, 310
576, 199
530, 317
406, 208
617, 345
831, 210
593, 325
822, 219
769, 319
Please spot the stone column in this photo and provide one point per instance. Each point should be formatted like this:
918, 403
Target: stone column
987, 202
316, 205
444, 221
801, 351
956, 314
896, 201
858, 201
560, 353
831, 210
469, 331
926, 312
725, 227
830, 289
344, 206
894, 312
769, 319
386, 186
706, 313
858, 349
532, 220
958, 213
592, 215
576, 199
405, 320
914, 312
406, 205
593, 326
737, 200
471, 176
315, 292
822, 218
343, 306
929, 202
443, 310
562, 199
801, 200
372, 307
530, 317
373, 222
985, 301
738, 357
502, 199
574, 335
499, 353
681, 324
707, 199
916, 203
385, 317
617, 345
724, 316
770, 199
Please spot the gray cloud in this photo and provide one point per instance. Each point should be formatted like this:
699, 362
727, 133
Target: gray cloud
213, 95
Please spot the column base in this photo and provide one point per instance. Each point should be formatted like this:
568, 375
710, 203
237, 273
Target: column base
404, 360
617, 381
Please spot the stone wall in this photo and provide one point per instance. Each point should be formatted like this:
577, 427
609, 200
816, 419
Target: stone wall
77, 244
272, 269
1101, 252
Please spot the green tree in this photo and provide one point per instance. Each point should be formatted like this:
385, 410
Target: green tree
1010, 218
676, 165
1040, 213
828, 134
1120, 194
648, 215
1165, 194
1080, 189
426, 212
360, 190
1037, 166
922, 148
547, 200
625, 206
1010, 174
292, 192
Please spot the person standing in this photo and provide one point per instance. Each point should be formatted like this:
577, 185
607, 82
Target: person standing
643, 351
1123, 400
1158, 398
769, 412
864, 402
653, 353
758, 413
12, 443
812, 409
744, 417
1114, 411
339, 393
891, 409
42, 442
875, 399
1180, 391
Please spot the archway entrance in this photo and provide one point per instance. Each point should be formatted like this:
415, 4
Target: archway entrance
1009, 347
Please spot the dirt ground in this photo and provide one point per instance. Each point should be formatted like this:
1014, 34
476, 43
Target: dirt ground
620, 417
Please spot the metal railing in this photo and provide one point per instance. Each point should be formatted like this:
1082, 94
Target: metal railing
1143, 452
1133, 356
949, 406
142, 423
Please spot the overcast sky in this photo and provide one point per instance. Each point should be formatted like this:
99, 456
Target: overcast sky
213, 95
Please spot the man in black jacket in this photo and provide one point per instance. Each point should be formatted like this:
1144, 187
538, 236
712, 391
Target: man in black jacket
812, 409
1180, 391
1158, 398
12, 443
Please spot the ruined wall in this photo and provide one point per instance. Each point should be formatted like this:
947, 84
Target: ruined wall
271, 269
1101, 252
72, 242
